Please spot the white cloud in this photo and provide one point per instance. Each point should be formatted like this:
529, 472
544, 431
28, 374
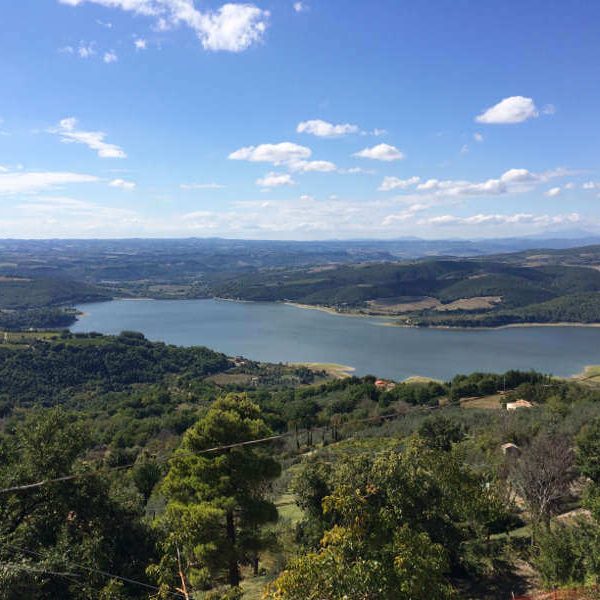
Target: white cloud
324, 129
35, 181
85, 50
67, 130
355, 170
394, 183
140, 44
123, 184
233, 27
511, 181
105, 24
464, 149
201, 186
502, 219
308, 166
379, 132
300, 7
515, 109
272, 180
590, 185
277, 154
110, 57
383, 152
518, 176
478, 137
553, 192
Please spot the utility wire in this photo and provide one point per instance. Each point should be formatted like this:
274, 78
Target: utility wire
38, 484
91, 570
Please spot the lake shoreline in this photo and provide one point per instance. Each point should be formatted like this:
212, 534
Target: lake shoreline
273, 332
369, 315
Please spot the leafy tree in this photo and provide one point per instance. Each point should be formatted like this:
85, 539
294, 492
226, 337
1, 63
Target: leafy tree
588, 450
55, 538
441, 432
216, 501
411, 568
395, 525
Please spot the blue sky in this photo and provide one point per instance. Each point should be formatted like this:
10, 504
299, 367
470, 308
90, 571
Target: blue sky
299, 120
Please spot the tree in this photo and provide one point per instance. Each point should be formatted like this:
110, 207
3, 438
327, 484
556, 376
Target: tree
542, 476
395, 525
54, 539
412, 568
216, 501
441, 432
588, 450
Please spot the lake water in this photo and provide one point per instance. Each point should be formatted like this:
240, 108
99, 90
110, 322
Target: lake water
283, 333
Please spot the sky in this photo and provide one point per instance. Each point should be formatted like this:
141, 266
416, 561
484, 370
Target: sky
304, 120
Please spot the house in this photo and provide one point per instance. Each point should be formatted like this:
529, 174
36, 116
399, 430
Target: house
518, 404
382, 384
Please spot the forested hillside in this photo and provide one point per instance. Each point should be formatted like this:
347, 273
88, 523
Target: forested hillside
39, 303
132, 469
445, 292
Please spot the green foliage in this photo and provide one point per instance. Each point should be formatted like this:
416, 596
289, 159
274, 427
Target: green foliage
569, 554
216, 500
26, 293
395, 525
77, 527
411, 568
588, 450
50, 372
440, 433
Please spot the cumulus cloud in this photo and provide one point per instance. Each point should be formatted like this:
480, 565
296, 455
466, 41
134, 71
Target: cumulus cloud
383, 152
277, 154
515, 109
272, 180
232, 27
300, 7
511, 181
553, 192
110, 57
326, 130
201, 186
590, 185
478, 137
123, 184
70, 134
394, 183
308, 166
35, 181
140, 44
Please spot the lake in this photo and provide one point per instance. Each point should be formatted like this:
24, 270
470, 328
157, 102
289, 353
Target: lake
284, 333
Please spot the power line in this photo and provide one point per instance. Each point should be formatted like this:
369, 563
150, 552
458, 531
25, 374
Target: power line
159, 460
91, 570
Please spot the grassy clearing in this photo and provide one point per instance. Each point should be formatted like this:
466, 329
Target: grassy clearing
253, 587
288, 509
332, 369
493, 402
421, 379
591, 374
